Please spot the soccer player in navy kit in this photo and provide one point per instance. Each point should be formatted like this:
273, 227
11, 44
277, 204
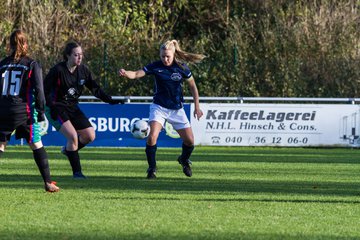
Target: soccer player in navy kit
170, 73
22, 103
64, 85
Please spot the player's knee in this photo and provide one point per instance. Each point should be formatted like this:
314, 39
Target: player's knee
151, 140
88, 138
2, 146
73, 139
36, 145
91, 138
188, 141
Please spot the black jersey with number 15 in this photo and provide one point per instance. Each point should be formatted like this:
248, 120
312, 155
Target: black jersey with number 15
21, 87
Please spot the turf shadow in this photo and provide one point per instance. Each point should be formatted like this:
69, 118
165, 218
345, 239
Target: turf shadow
192, 185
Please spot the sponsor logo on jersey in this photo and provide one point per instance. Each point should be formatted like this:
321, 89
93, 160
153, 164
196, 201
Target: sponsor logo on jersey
82, 82
71, 91
176, 77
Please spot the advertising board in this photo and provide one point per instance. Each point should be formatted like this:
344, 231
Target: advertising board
112, 126
278, 125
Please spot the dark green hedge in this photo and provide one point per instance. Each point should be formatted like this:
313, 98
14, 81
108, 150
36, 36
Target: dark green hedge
253, 48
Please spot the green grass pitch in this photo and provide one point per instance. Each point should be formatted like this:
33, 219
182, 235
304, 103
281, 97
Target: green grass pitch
235, 193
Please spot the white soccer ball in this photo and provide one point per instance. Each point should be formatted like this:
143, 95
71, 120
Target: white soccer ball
140, 129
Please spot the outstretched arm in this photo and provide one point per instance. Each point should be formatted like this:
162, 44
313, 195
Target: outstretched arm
98, 92
132, 74
194, 92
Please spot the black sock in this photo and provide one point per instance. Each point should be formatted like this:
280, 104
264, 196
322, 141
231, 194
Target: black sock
74, 160
150, 155
186, 152
42, 162
80, 145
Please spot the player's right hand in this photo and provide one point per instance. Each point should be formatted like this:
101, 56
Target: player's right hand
122, 72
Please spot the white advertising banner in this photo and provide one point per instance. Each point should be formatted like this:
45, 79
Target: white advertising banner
277, 125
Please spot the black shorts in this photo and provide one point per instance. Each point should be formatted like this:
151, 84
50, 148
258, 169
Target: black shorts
19, 124
68, 113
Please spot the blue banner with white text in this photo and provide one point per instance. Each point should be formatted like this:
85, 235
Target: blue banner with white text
112, 126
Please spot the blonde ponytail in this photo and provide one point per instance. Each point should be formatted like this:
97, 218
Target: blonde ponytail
180, 55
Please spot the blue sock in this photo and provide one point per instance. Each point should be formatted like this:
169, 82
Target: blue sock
150, 155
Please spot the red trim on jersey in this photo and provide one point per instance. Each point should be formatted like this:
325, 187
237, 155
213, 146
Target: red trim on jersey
28, 107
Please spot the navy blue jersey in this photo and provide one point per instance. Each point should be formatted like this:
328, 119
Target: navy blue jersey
22, 88
64, 88
168, 87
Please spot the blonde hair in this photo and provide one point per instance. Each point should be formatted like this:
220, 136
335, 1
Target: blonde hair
18, 42
180, 55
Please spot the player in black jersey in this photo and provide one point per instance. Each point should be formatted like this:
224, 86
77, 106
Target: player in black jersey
22, 103
64, 85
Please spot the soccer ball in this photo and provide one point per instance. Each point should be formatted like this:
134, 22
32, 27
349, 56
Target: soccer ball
140, 129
